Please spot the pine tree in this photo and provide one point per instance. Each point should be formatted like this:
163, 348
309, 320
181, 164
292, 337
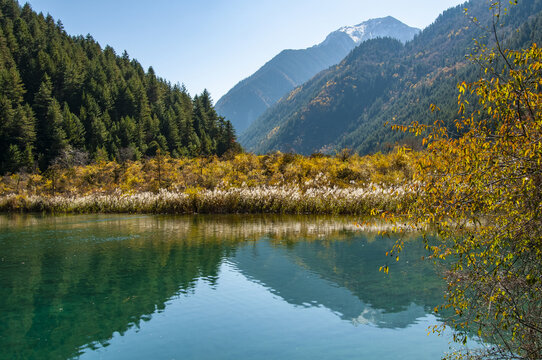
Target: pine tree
14, 159
127, 131
25, 134
96, 132
73, 127
52, 134
51, 138
199, 116
153, 87
168, 127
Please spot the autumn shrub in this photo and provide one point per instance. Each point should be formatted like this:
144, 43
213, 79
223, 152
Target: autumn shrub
482, 194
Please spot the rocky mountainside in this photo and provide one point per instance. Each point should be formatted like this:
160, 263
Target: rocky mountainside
383, 80
252, 96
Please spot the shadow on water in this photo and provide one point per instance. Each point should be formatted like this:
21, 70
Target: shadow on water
69, 283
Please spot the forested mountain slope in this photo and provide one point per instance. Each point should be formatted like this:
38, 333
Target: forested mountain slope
59, 92
383, 81
251, 97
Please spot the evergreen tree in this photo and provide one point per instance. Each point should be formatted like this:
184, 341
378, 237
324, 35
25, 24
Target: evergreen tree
127, 132
227, 138
153, 87
51, 136
91, 119
200, 116
73, 127
24, 134
14, 159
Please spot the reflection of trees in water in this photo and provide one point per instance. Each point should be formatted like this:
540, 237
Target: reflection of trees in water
70, 281
66, 289
211, 227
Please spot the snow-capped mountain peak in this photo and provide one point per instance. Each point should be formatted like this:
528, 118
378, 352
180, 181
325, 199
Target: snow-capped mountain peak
380, 27
356, 32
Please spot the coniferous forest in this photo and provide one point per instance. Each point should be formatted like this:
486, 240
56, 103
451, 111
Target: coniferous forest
62, 94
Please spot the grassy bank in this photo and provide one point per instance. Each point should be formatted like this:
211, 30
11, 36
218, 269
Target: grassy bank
246, 183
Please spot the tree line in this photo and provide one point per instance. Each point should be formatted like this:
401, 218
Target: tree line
65, 94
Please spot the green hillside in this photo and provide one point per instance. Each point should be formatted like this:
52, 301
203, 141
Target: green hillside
383, 81
61, 94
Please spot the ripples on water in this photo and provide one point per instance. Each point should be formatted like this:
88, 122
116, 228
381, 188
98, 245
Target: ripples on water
211, 287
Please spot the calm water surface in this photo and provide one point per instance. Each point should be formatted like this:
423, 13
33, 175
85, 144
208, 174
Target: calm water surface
210, 287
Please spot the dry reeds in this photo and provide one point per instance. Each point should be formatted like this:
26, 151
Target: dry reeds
260, 199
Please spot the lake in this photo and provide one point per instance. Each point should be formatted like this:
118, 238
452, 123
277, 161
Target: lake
211, 287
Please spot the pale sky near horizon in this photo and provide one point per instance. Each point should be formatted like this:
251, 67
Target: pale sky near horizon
214, 44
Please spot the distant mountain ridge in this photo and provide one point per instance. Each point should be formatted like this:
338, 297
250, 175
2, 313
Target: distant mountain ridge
382, 80
247, 100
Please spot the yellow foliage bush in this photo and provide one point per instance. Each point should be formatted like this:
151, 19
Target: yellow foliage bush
243, 170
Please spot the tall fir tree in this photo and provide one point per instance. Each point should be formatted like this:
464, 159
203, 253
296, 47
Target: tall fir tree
73, 128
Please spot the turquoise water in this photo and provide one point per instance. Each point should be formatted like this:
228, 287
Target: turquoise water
207, 287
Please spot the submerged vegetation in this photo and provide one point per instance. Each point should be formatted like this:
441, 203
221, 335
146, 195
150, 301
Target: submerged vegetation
243, 183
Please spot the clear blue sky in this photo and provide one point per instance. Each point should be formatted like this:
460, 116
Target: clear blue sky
214, 44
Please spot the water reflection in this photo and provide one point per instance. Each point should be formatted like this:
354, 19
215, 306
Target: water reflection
343, 276
70, 283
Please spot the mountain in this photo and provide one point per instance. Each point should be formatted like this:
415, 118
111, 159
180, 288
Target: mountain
383, 80
251, 97
62, 96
